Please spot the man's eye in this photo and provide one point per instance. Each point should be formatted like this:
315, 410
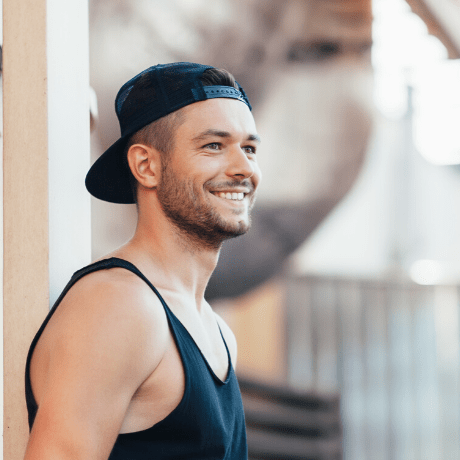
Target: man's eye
213, 146
249, 149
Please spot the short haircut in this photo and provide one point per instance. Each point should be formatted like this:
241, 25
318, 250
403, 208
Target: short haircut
160, 134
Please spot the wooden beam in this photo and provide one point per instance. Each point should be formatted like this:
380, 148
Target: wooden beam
25, 196
435, 27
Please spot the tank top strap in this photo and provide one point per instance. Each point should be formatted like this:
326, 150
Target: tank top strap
114, 262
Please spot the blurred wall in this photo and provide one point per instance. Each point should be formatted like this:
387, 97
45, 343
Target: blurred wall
306, 68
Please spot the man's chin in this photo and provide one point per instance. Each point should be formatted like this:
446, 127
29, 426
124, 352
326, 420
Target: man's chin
233, 231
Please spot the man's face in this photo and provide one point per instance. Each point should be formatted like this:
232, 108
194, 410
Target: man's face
208, 181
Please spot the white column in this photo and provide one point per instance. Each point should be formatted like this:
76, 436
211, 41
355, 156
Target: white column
68, 140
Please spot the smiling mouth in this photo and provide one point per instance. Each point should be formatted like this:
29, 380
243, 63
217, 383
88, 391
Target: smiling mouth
234, 196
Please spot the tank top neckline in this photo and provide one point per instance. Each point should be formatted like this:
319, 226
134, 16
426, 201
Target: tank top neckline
170, 313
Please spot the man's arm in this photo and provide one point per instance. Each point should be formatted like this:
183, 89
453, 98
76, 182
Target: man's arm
107, 336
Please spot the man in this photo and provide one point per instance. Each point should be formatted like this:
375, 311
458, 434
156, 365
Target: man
119, 370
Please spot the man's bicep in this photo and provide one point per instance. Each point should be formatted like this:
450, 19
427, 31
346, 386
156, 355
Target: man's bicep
57, 435
76, 418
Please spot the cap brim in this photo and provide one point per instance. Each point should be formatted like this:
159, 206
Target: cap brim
109, 177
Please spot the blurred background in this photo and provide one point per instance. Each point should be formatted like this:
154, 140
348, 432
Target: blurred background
344, 297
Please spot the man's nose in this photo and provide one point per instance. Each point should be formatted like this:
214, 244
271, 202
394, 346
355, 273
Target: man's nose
240, 165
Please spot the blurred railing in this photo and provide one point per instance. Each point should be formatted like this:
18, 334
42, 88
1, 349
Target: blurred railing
392, 351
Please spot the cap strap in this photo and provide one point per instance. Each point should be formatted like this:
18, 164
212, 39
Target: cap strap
224, 91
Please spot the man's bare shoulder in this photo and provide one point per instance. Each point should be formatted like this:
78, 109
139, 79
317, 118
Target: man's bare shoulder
115, 313
116, 297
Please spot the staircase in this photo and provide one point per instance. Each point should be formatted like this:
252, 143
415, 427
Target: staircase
286, 424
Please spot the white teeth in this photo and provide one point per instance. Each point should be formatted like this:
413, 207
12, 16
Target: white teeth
230, 196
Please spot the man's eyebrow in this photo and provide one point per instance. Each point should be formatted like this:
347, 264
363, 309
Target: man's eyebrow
224, 134
254, 137
211, 132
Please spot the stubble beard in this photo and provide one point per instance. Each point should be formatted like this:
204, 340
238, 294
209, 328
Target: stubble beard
192, 213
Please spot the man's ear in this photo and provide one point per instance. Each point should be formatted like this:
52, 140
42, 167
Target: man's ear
145, 164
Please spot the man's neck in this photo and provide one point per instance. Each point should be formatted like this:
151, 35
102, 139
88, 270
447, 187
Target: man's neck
170, 259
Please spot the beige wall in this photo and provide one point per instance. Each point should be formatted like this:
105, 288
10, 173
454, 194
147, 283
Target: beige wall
25, 169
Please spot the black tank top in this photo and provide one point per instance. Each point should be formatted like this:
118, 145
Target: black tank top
207, 424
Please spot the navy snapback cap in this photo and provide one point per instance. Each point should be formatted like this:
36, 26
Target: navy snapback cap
150, 95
